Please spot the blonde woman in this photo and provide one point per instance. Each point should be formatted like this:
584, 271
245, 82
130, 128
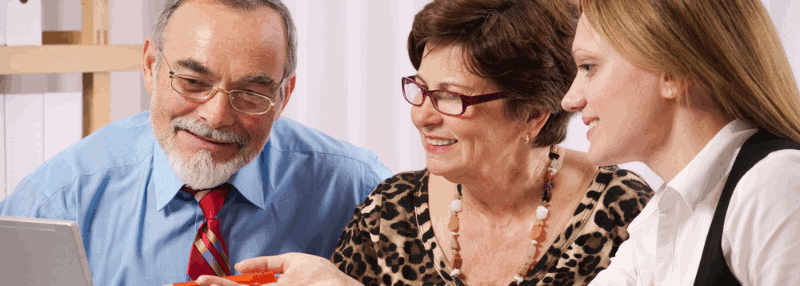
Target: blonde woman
695, 89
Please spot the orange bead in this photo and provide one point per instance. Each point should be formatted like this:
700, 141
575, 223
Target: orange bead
536, 231
523, 271
457, 262
549, 176
453, 225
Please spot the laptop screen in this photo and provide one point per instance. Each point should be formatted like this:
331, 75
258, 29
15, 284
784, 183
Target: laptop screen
42, 252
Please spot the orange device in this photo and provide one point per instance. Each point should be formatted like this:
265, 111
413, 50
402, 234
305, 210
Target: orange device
247, 279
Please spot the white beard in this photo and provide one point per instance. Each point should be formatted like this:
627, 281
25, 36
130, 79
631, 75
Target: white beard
199, 172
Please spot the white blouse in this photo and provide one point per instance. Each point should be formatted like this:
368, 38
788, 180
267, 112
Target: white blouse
761, 234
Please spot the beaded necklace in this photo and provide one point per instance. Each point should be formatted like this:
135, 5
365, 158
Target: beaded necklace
457, 206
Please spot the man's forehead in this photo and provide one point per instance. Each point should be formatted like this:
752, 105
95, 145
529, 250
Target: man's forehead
210, 20
209, 34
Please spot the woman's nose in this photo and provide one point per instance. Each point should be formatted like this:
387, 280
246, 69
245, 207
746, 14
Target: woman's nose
425, 114
573, 100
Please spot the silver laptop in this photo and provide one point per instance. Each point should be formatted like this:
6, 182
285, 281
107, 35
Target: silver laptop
41, 252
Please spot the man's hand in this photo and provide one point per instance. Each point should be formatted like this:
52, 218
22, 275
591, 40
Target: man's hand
297, 269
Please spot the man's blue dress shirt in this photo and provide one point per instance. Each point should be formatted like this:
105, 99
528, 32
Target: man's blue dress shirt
138, 227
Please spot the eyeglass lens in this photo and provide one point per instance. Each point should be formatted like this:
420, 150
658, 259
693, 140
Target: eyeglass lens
443, 101
198, 89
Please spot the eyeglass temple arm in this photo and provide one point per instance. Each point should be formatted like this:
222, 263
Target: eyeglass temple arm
470, 100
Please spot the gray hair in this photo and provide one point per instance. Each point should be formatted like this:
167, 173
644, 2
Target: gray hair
289, 66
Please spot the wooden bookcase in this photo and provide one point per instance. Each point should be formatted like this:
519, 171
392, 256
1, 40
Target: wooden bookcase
86, 51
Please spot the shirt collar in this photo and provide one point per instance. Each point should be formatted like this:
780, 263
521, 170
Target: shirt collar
247, 181
710, 167
165, 182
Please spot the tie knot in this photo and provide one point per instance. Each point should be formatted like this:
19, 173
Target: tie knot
210, 200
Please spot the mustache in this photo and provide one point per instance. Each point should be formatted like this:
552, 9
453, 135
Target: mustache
223, 135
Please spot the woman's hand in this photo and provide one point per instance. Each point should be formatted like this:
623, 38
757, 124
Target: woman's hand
297, 269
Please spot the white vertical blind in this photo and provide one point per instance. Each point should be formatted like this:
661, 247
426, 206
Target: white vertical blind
63, 123
24, 135
3, 192
23, 23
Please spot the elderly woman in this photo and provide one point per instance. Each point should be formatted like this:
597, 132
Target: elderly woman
499, 203
701, 91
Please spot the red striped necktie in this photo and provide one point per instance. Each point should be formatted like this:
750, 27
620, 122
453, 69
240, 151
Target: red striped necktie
209, 254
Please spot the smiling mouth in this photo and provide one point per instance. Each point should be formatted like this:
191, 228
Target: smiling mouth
208, 134
211, 140
594, 123
441, 142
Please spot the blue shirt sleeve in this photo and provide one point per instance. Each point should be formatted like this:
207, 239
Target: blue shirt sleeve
375, 173
28, 201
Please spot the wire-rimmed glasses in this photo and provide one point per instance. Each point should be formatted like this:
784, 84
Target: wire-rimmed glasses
446, 102
197, 89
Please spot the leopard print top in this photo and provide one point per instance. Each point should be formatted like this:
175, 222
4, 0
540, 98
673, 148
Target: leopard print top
390, 240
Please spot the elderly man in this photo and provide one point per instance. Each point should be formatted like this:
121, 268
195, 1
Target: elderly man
213, 190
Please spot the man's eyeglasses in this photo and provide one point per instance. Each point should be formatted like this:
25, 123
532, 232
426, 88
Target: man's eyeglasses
446, 102
198, 89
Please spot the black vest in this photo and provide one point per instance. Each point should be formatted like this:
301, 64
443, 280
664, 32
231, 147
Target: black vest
713, 270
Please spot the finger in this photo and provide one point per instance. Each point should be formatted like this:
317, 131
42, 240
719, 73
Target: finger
208, 280
275, 263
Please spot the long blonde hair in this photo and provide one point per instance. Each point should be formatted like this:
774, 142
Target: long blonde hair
728, 47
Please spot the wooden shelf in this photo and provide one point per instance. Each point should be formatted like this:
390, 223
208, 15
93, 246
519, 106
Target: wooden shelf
70, 59
86, 51
61, 37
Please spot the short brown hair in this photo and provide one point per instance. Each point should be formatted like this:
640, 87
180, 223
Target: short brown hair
521, 46
730, 48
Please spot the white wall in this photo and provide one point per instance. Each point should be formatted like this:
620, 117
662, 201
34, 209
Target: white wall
351, 56
784, 14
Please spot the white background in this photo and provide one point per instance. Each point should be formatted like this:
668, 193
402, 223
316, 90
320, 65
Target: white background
351, 57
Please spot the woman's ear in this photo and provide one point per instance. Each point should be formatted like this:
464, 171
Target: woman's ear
670, 87
536, 121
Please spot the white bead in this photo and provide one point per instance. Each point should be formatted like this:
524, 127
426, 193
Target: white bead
455, 272
453, 243
541, 212
516, 277
453, 233
552, 170
456, 206
534, 242
531, 251
553, 163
